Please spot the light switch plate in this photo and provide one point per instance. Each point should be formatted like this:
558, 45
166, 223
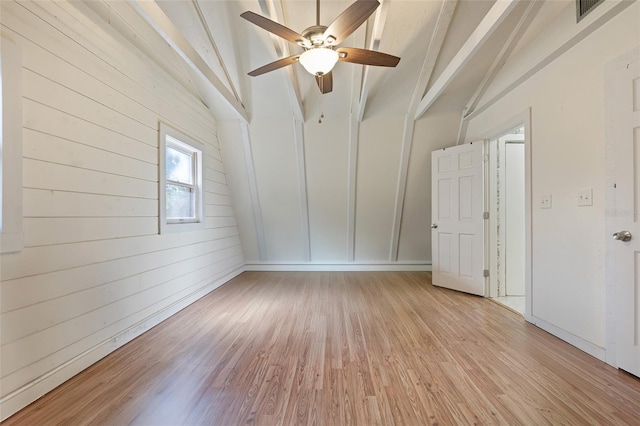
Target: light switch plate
545, 201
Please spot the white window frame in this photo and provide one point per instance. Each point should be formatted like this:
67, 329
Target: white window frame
11, 231
178, 140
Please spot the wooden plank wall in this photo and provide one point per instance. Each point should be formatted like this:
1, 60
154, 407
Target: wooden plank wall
94, 272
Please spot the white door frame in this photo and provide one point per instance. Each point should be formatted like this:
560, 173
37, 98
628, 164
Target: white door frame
496, 243
522, 119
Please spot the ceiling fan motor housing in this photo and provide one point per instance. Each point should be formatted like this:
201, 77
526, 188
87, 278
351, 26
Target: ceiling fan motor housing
314, 36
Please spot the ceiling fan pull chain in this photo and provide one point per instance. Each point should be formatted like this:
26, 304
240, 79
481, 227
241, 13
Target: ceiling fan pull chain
321, 110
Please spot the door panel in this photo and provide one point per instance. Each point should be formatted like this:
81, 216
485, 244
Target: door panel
444, 199
444, 164
444, 251
466, 258
465, 160
466, 198
458, 227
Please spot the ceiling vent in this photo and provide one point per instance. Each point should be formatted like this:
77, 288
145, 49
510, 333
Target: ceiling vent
583, 7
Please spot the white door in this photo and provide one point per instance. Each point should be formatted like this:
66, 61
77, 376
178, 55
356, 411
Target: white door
457, 205
623, 128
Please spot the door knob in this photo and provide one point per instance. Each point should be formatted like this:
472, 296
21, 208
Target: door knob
434, 225
622, 236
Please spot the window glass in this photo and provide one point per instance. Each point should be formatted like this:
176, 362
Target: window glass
180, 202
179, 166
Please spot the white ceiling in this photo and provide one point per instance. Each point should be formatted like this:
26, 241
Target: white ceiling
407, 31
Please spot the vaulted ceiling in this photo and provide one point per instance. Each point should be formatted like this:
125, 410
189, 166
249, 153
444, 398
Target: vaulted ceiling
427, 35
356, 187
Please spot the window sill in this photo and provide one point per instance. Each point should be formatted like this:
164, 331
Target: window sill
182, 227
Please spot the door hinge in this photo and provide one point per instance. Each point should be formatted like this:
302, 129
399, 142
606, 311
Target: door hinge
485, 215
485, 273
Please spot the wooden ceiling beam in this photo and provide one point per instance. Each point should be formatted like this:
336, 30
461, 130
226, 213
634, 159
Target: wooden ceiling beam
496, 15
212, 41
510, 43
275, 12
153, 14
379, 20
443, 23
600, 16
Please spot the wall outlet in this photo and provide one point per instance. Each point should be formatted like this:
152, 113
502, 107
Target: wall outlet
545, 201
585, 197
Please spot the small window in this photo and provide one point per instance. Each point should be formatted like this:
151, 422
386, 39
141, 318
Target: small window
11, 234
180, 182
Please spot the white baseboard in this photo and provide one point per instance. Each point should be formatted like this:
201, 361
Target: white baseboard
572, 339
338, 266
20, 398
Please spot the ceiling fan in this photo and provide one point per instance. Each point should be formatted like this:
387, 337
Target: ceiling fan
319, 43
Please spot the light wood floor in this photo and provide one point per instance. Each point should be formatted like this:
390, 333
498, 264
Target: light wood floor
337, 349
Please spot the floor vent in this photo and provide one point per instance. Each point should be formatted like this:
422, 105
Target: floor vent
583, 7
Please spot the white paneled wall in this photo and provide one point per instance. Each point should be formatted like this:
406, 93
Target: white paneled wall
94, 272
274, 156
379, 148
293, 188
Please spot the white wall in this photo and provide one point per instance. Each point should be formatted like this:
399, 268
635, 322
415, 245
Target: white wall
326, 159
324, 179
567, 154
274, 156
379, 147
94, 273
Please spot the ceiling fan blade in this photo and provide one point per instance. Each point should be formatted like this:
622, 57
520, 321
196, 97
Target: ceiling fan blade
273, 27
325, 82
275, 65
350, 20
366, 57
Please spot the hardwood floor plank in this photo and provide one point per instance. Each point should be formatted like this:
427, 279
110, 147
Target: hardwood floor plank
334, 348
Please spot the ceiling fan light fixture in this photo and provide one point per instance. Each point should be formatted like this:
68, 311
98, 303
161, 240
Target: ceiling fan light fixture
319, 61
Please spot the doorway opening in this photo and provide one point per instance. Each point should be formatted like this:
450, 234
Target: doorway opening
507, 240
